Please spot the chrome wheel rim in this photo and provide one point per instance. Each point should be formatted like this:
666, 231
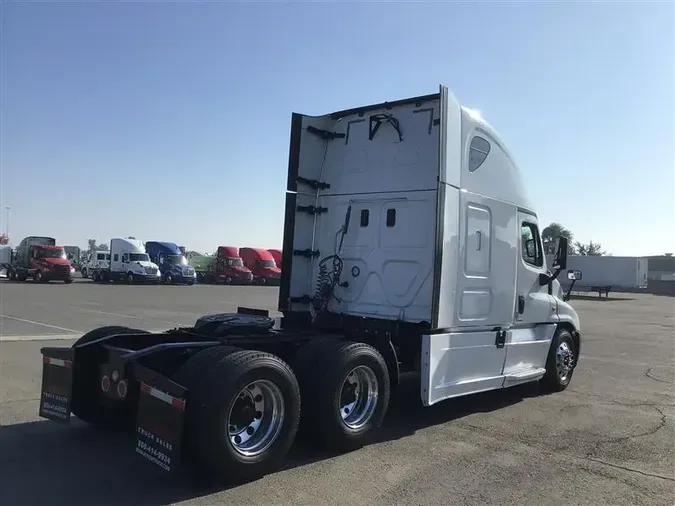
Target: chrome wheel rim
564, 359
256, 417
358, 397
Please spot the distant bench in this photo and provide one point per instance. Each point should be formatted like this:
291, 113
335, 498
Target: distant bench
592, 288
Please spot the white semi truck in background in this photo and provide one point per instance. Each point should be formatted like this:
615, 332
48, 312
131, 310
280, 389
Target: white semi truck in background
95, 260
410, 245
127, 262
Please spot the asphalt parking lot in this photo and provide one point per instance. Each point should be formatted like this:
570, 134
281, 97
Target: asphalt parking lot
608, 439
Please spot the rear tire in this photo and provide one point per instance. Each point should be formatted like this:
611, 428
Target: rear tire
247, 414
169, 279
83, 272
347, 388
37, 277
88, 403
130, 278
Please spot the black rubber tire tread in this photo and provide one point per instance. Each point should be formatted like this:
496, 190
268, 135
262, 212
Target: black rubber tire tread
200, 363
322, 383
85, 394
216, 393
308, 353
193, 371
550, 381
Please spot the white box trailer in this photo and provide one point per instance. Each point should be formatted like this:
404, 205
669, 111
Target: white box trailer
410, 244
604, 274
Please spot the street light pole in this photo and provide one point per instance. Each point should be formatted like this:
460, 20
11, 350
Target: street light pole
7, 209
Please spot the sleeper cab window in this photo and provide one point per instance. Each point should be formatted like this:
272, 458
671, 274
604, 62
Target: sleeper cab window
365, 216
530, 245
391, 217
478, 152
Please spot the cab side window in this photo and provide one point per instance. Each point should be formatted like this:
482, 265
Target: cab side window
531, 245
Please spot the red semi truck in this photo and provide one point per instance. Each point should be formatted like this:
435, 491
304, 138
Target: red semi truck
42, 260
276, 254
262, 265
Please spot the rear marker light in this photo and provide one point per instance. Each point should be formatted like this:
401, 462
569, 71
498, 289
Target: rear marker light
105, 383
122, 389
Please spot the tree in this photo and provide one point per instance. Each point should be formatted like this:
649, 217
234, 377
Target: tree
103, 247
592, 249
549, 237
91, 243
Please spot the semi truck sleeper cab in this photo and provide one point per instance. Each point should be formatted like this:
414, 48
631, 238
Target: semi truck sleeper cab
410, 244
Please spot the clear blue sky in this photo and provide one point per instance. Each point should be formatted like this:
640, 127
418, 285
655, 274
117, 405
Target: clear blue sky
170, 121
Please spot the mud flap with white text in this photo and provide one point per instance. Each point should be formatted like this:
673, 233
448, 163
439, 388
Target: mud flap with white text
159, 426
57, 383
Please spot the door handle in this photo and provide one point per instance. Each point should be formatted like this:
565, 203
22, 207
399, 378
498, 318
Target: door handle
521, 304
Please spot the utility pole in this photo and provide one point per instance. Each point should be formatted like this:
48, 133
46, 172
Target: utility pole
7, 210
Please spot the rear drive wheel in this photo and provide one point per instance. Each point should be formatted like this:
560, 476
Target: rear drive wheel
248, 410
562, 359
88, 403
347, 389
190, 375
38, 278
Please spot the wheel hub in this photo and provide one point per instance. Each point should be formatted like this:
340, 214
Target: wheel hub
358, 397
564, 360
256, 418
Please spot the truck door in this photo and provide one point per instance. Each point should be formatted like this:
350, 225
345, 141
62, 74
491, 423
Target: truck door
529, 338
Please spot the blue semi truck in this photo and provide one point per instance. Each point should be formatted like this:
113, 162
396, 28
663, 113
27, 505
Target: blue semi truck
172, 263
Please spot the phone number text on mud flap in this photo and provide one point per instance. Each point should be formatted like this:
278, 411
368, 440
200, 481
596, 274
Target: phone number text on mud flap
155, 439
55, 410
58, 398
149, 450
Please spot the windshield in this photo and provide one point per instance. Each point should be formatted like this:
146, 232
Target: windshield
235, 262
50, 253
268, 263
138, 257
176, 259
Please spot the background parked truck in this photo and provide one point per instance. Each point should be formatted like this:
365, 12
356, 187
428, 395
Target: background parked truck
226, 266
276, 254
128, 262
42, 260
262, 265
98, 259
73, 254
173, 265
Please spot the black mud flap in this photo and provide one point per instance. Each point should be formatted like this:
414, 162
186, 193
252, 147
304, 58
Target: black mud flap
57, 383
159, 425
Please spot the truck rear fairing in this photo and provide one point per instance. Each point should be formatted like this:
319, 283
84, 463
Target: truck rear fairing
364, 184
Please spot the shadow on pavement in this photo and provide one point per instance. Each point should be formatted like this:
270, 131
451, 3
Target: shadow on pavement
83, 466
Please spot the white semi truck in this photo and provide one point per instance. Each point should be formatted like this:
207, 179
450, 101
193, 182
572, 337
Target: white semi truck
95, 260
410, 244
128, 262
